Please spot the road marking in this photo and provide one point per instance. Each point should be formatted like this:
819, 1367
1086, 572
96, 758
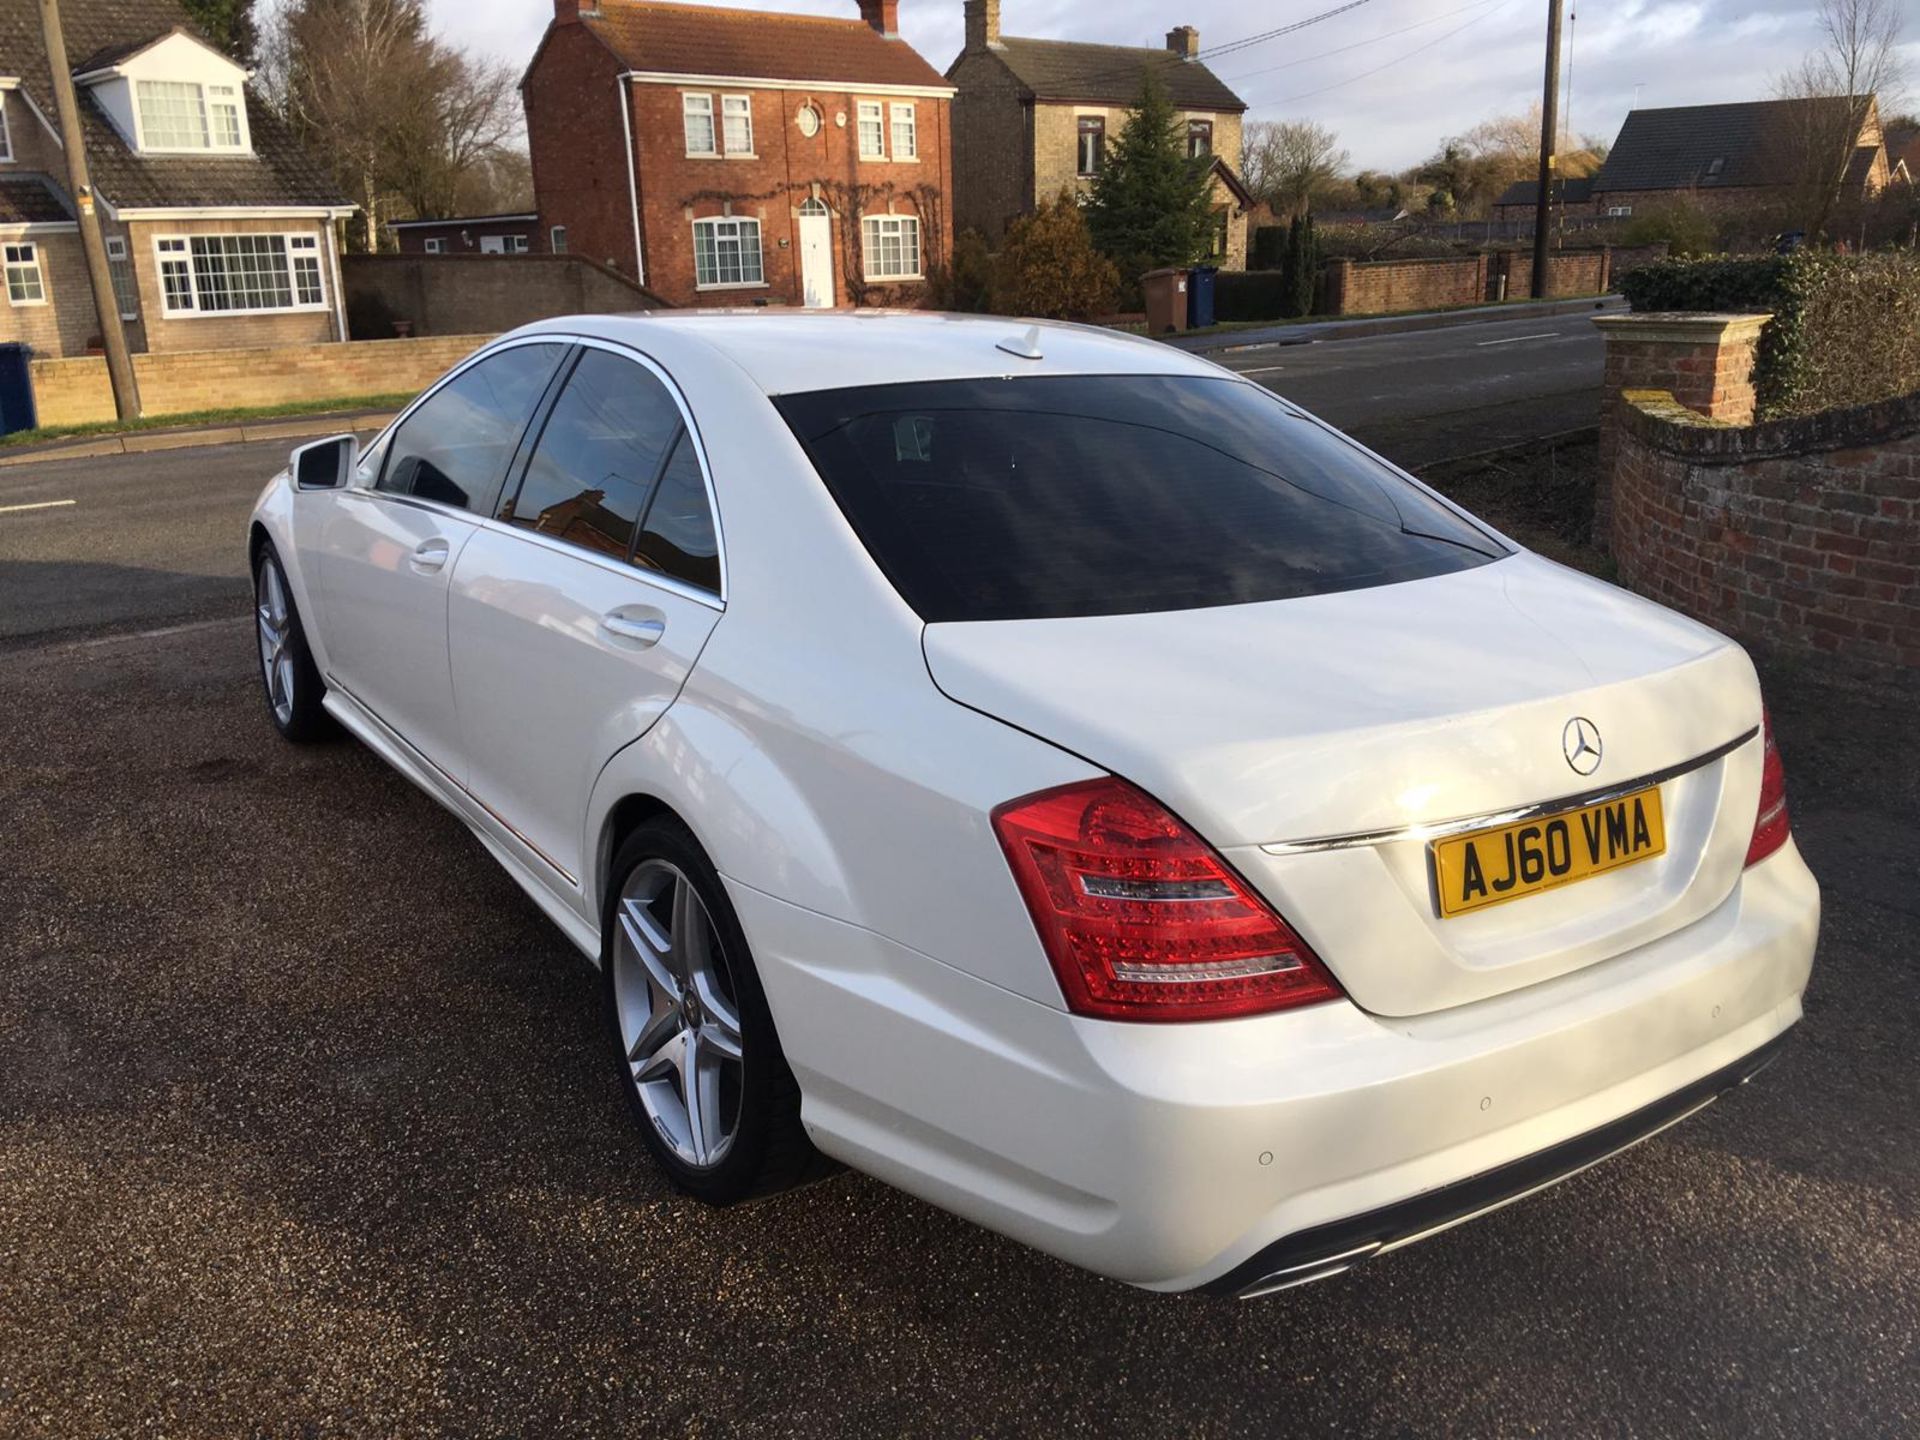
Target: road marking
185, 629
1516, 339
1263, 370
37, 505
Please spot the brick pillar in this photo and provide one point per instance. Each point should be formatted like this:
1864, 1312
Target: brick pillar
1339, 284
1704, 361
1481, 293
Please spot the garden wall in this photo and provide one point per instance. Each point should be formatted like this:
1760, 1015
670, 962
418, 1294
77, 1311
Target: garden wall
77, 392
1797, 536
479, 294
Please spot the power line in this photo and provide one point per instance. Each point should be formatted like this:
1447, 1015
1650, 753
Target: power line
1356, 45
1231, 47
1417, 50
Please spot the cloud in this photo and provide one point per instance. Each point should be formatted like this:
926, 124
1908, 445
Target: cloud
1408, 72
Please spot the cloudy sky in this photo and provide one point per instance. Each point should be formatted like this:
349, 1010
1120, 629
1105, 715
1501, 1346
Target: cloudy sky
1391, 76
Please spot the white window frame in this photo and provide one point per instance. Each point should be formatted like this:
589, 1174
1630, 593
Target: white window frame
871, 229
715, 223
6, 134
24, 256
300, 245
557, 240
873, 111
690, 110
517, 244
207, 102
434, 245
899, 113
1619, 212
120, 264
745, 152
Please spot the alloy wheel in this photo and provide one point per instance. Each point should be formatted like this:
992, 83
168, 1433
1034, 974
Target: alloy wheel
275, 615
679, 1019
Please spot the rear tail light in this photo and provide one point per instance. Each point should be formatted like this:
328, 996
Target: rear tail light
1770, 826
1141, 918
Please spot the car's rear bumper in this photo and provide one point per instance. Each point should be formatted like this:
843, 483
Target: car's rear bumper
1215, 1154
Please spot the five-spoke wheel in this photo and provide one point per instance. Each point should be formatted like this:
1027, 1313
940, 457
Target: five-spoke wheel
287, 673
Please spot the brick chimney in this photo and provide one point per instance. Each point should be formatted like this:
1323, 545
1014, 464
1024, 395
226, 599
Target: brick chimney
568, 12
1184, 41
882, 15
983, 24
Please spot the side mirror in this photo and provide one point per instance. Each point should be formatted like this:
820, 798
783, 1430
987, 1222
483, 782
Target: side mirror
325, 464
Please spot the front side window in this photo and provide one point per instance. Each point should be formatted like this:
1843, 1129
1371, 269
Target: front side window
120, 271
1199, 138
696, 114
1093, 145
435, 245
455, 447
1114, 495
229, 274
599, 457
726, 252
737, 118
891, 247
906, 138
873, 134
25, 285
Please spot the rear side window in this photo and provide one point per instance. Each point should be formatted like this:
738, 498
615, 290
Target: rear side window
598, 457
1010, 499
454, 449
678, 538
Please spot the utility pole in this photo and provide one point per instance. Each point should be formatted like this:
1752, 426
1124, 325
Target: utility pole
126, 394
1549, 134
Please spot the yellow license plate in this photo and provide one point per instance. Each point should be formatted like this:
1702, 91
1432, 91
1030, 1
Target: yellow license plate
1504, 862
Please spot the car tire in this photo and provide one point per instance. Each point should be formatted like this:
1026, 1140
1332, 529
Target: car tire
692, 1036
288, 677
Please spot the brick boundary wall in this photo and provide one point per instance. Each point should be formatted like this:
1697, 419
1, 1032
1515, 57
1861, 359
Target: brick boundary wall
480, 294
1380, 287
76, 391
1797, 536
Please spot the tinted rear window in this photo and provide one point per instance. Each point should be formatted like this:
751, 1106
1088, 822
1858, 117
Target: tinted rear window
1113, 495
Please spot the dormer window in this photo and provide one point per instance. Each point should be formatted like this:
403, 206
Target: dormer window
185, 115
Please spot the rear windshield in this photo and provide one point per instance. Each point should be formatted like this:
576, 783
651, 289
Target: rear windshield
1015, 499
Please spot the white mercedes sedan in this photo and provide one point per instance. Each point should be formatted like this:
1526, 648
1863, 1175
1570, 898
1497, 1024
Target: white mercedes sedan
1053, 774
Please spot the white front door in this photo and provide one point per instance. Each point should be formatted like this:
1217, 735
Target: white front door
816, 255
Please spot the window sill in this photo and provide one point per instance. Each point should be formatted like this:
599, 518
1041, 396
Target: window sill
741, 155
321, 309
40, 304
736, 285
705, 155
892, 279
875, 160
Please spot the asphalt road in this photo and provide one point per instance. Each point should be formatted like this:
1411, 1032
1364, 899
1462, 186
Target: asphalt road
1430, 395
305, 1128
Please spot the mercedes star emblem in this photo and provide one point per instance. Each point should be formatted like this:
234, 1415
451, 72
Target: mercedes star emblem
1580, 743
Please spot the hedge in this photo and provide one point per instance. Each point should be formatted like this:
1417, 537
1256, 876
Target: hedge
1249, 294
1845, 330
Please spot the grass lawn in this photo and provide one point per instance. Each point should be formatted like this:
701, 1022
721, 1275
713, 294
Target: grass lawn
198, 418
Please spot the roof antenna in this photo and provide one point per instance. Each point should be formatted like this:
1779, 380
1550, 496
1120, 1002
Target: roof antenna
1025, 345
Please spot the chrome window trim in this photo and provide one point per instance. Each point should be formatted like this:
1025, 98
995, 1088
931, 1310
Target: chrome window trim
1443, 828
434, 389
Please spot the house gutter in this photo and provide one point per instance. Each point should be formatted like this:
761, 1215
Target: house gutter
633, 183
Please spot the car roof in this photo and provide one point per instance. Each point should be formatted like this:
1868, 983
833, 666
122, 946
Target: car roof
787, 352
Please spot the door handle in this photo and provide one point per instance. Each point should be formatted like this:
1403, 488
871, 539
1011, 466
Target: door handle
429, 557
643, 631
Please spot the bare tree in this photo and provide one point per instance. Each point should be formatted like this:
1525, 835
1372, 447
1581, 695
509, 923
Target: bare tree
1287, 162
463, 112
1838, 87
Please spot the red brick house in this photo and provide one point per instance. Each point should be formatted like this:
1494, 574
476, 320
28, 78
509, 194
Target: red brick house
730, 157
466, 235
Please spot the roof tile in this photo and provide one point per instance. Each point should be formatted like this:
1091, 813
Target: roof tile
1674, 149
756, 44
1112, 74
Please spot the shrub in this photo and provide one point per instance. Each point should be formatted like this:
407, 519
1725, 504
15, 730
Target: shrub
1845, 330
1268, 247
1686, 228
1049, 269
1249, 295
966, 283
